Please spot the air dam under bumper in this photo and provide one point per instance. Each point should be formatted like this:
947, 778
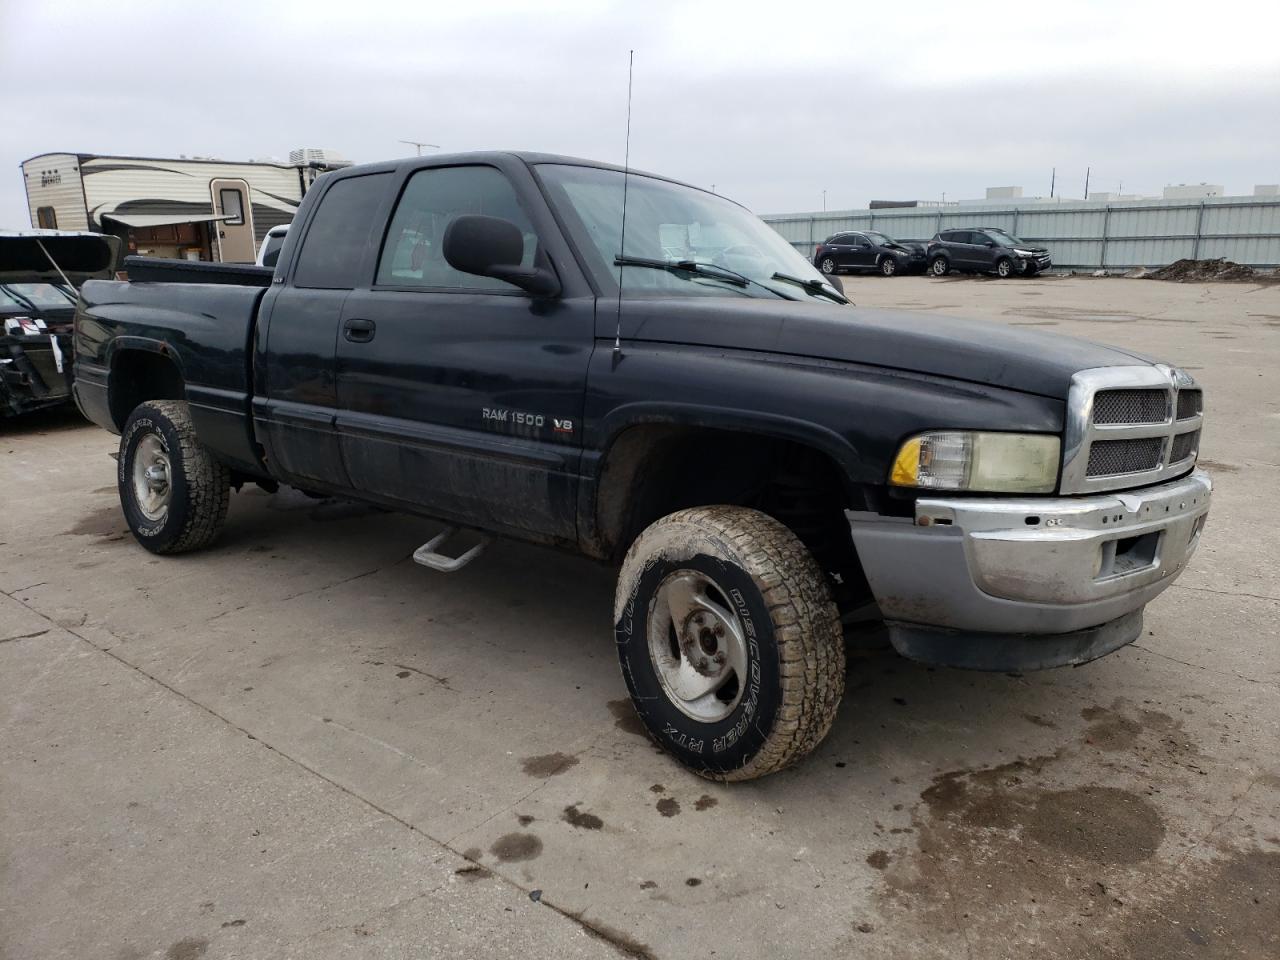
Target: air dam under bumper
1025, 584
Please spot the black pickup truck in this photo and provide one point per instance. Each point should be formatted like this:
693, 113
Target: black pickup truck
478, 338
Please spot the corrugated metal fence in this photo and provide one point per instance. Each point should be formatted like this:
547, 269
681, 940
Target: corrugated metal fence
1080, 235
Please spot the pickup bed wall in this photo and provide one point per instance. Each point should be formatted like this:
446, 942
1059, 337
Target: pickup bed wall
203, 330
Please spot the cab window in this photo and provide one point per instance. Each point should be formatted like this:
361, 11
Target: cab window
413, 253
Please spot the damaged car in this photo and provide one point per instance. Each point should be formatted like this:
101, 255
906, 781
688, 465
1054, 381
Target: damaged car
40, 275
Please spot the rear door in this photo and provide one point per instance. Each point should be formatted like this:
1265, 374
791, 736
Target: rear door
861, 252
461, 396
295, 406
235, 231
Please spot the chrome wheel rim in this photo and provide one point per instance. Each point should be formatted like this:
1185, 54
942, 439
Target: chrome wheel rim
151, 482
698, 646
828, 265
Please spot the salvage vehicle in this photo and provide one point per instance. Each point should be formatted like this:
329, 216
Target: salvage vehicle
987, 250
39, 274
868, 250
477, 338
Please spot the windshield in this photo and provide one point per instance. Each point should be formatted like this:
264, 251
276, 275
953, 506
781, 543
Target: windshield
35, 296
673, 223
882, 240
1004, 239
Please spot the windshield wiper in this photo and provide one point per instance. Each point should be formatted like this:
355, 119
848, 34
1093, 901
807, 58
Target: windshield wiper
711, 270
18, 298
815, 287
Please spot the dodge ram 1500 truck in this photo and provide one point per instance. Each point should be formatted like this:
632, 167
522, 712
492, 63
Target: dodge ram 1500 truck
487, 340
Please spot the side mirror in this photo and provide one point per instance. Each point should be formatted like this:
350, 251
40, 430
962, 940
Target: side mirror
988, 243
493, 247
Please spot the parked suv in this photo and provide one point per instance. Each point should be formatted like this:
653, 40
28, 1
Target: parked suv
985, 250
868, 250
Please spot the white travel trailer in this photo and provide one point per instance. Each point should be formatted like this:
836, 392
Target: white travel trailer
187, 208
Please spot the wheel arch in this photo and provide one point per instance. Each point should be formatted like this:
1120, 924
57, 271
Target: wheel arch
142, 369
654, 461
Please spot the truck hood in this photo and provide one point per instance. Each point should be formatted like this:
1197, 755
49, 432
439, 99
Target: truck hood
81, 256
973, 350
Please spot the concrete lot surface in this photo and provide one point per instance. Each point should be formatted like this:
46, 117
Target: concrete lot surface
300, 744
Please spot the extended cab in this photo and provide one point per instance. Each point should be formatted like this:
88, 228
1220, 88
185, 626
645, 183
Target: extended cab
478, 338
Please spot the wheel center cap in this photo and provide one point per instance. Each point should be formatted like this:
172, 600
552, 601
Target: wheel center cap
700, 642
157, 476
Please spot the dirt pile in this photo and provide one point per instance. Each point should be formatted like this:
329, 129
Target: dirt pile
1200, 271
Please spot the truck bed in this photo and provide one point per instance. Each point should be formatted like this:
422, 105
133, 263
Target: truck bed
205, 330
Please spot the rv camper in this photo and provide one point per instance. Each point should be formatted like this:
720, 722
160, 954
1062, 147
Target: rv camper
188, 208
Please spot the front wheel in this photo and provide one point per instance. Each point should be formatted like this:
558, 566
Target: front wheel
1004, 268
827, 265
939, 266
173, 493
729, 640
888, 266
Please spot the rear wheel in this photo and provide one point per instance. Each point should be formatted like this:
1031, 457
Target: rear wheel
827, 265
939, 266
1004, 268
729, 641
173, 493
889, 266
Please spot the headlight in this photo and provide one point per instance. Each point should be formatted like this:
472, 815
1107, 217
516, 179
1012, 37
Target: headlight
1023, 253
984, 462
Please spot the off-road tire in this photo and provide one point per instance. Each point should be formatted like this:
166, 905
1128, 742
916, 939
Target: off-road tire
200, 486
939, 266
782, 598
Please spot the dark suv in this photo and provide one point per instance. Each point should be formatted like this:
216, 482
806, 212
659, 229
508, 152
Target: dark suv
868, 250
985, 250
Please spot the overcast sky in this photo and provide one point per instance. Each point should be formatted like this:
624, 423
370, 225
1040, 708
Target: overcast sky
770, 102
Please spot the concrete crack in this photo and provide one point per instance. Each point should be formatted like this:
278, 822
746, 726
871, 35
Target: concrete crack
24, 636
309, 590
1200, 666
1226, 593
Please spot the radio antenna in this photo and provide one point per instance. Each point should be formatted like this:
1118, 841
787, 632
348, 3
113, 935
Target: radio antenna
622, 243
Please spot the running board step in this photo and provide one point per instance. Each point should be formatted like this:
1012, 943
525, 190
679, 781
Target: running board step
429, 556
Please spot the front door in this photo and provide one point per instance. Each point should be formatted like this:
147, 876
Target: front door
862, 254
461, 396
235, 230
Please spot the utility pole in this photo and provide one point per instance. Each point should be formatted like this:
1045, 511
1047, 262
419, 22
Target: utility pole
1053, 182
824, 201
420, 144
1087, 171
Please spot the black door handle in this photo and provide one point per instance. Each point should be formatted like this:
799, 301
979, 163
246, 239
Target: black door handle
359, 331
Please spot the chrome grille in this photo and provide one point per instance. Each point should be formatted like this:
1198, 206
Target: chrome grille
1128, 427
1131, 406
1110, 457
1184, 445
1190, 404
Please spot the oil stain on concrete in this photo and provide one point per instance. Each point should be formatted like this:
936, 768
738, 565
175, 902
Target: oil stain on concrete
548, 764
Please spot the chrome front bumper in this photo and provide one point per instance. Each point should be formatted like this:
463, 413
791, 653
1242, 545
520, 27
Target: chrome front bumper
1031, 567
